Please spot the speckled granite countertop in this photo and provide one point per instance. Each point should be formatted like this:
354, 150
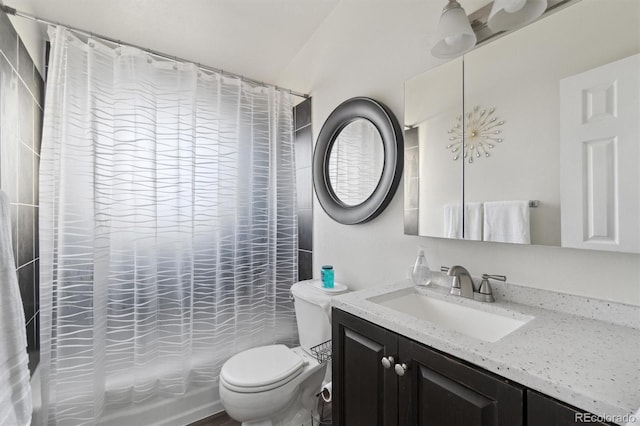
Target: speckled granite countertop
592, 364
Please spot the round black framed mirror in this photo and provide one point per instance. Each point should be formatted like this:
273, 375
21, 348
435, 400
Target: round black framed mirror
358, 161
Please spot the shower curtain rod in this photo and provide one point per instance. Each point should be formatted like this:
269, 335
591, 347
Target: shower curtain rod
14, 12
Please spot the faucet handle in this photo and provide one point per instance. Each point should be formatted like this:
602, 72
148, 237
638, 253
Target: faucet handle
494, 277
485, 293
455, 283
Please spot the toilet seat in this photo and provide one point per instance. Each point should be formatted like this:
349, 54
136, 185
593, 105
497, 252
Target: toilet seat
261, 369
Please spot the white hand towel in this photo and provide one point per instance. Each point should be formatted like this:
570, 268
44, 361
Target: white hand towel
507, 222
15, 392
472, 221
452, 221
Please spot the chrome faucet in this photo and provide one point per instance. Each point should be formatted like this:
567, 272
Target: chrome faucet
462, 284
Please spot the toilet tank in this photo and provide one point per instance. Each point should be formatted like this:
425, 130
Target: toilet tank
313, 314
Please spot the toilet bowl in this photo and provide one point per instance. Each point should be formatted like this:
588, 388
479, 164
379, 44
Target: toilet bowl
276, 385
274, 397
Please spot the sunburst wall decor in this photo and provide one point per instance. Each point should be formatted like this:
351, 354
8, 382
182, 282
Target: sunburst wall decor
482, 133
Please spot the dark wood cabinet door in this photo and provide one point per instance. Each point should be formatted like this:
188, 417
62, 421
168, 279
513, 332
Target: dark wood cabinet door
439, 390
544, 411
364, 392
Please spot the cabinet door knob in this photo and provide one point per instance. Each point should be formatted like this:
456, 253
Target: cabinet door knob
401, 369
387, 361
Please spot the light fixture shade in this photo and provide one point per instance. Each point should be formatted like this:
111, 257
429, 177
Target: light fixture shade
509, 14
455, 36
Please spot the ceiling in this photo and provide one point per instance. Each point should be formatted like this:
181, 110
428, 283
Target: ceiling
255, 38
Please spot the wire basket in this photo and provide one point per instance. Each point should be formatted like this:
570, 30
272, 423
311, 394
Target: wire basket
322, 352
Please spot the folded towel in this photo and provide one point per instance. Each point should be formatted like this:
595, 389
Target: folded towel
507, 222
15, 392
452, 221
472, 221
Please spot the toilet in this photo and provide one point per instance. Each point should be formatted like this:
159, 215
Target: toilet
276, 385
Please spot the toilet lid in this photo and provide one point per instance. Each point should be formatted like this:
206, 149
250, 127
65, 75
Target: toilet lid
262, 366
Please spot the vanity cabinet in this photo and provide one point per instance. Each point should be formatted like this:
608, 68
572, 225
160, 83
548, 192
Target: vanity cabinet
421, 386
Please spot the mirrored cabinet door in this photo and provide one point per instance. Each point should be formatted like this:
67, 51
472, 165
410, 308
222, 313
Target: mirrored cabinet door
545, 149
433, 152
512, 103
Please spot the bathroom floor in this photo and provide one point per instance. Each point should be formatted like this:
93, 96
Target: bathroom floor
223, 419
220, 419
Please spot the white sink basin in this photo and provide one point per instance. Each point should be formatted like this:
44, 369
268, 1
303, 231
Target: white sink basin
480, 324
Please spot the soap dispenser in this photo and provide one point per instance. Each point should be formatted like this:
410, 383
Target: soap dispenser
420, 273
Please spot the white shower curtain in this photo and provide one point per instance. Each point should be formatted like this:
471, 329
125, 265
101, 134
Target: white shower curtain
168, 226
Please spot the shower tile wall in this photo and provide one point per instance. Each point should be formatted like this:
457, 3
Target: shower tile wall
304, 179
21, 96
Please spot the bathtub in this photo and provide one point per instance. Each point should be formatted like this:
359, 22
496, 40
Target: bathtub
196, 404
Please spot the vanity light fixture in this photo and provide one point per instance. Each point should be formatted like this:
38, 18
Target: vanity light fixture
455, 36
509, 14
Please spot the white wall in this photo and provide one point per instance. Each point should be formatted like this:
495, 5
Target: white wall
370, 49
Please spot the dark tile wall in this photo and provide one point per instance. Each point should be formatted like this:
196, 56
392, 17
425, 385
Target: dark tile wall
21, 101
303, 140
